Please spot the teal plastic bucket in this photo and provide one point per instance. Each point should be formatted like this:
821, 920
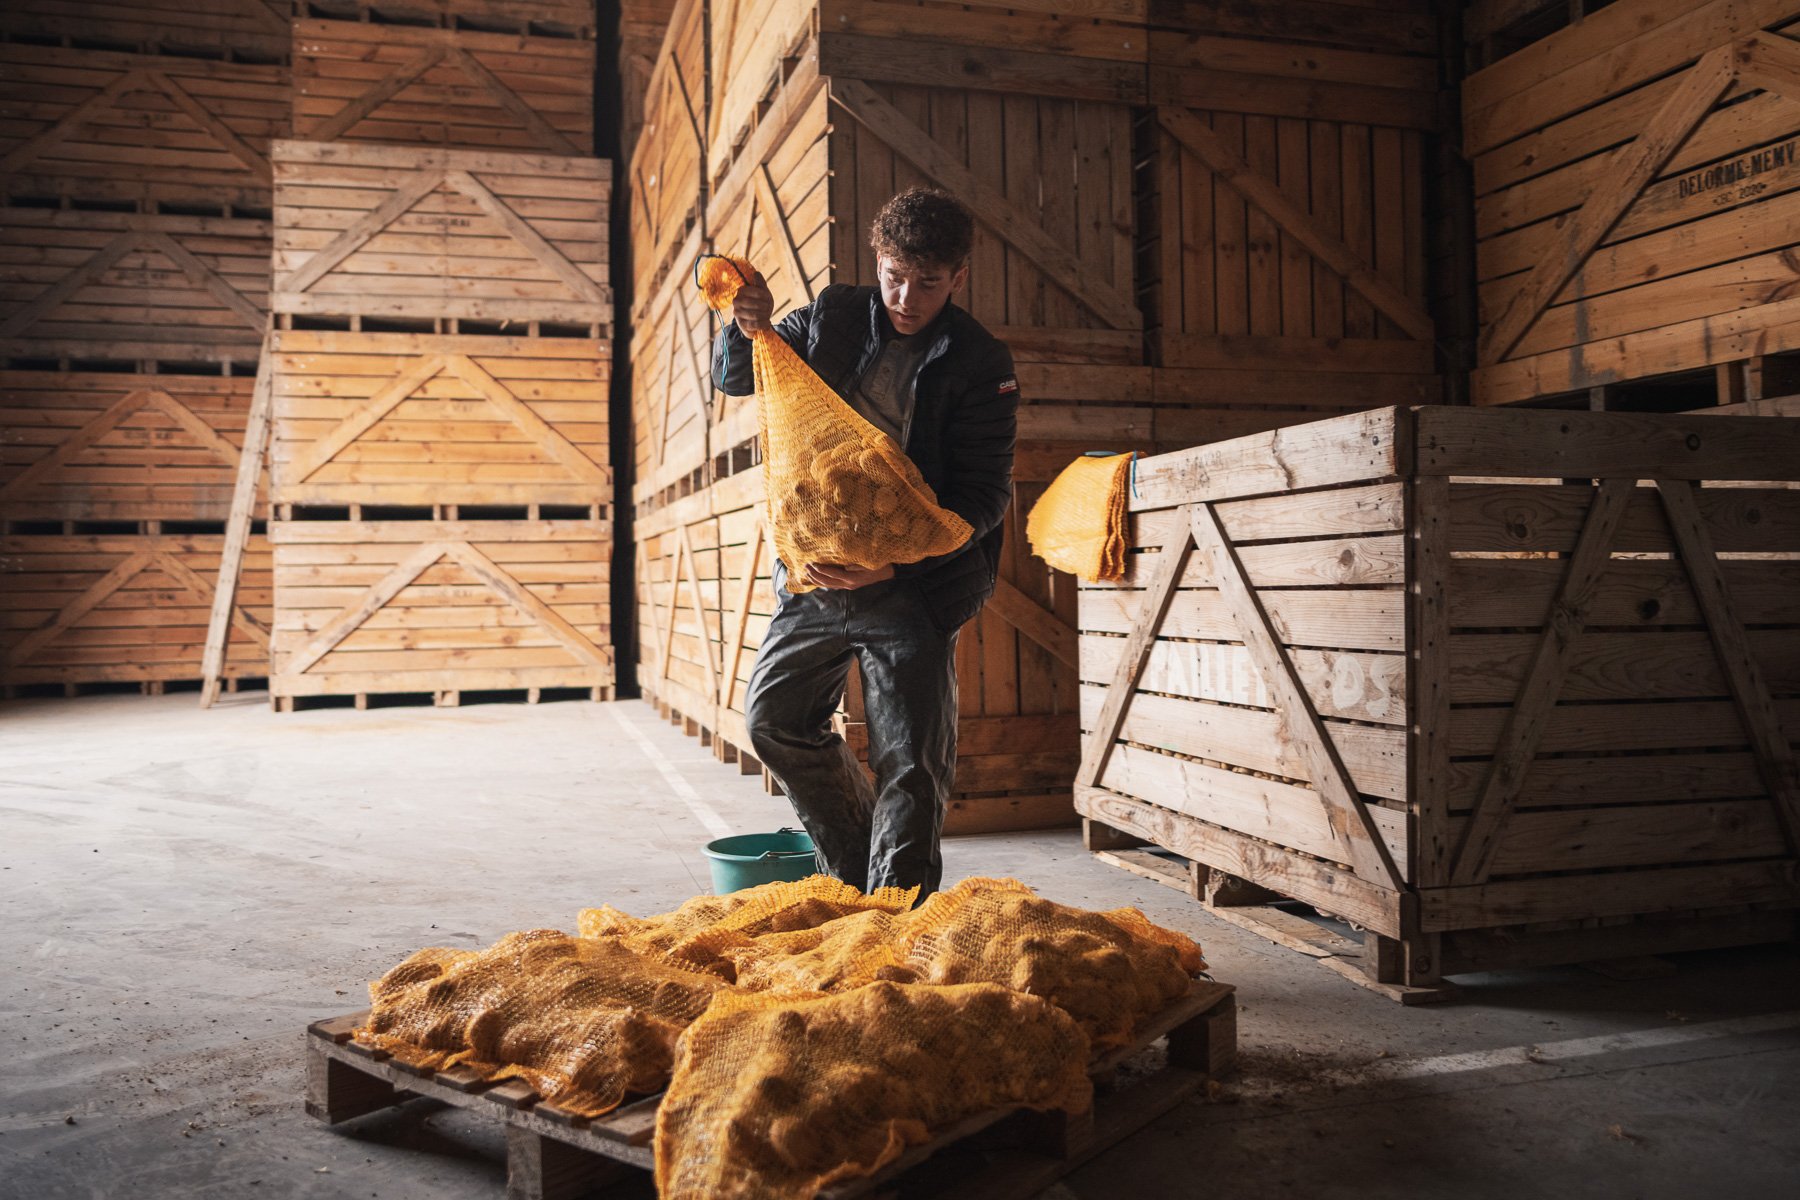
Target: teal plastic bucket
752, 858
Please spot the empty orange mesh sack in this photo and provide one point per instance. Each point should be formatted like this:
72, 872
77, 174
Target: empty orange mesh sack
1078, 524
777, 1096
838, 489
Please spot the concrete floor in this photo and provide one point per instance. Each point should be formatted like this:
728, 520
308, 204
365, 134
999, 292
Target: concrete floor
181, 892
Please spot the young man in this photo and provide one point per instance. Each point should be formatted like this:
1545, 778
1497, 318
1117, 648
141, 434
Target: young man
925, 372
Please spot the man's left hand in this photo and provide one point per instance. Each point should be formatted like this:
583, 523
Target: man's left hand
831, 575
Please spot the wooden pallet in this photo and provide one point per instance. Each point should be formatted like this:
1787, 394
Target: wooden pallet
1637, 182
156, 131
109, 608
396, 231
252, 31
374, 607
442, 87
1382, 665
553, 1154
115, 446
87, 284
409, 419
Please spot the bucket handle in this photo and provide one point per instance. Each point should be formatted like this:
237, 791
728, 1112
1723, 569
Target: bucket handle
768, 855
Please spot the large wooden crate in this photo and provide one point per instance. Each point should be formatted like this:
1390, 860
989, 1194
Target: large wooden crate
385, 231
132, 286
109, 608
1284, 240
90, 446
642, 24
369, 607
543, 18
157, 131
1384, 665
456, 88
423, 419
244, 30
667, 164
1636, 200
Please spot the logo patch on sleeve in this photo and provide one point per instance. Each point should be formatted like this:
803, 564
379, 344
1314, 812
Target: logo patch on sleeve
1008, 385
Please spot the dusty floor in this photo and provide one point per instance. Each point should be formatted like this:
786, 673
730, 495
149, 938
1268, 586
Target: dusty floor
181, 892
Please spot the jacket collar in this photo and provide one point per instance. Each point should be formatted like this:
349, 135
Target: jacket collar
939, 330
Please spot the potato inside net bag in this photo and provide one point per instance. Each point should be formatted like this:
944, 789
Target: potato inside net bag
778, 1096
839, 490
585, 1021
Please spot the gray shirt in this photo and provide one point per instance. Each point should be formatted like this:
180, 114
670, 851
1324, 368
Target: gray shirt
884, 394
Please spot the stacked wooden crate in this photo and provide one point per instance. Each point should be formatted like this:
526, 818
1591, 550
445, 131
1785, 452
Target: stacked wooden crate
439, 373
1636, 207
134, 158
776, 129
1502, 688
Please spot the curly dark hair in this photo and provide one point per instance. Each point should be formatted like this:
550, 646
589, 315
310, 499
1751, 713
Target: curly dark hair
924, 226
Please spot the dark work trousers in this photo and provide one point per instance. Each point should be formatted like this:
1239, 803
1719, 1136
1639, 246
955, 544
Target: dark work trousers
885, 836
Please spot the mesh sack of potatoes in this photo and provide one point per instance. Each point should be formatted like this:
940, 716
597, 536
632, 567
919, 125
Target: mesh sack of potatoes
585, 1021
776, 1096
838, 489
700, 934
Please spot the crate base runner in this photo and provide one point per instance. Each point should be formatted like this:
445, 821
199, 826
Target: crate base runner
1408, 971
552, 1154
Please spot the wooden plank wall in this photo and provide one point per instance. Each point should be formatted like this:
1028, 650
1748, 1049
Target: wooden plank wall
1635, 179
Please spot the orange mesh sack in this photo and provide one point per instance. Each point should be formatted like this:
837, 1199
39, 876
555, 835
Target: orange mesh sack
777, 1096
839, 490
701, 933
584, 1021
1078, 524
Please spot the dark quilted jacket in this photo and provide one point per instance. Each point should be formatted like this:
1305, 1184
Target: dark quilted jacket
965, 404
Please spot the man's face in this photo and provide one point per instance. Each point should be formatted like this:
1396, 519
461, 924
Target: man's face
915, 293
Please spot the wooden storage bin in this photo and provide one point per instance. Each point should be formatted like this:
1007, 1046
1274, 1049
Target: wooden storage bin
158, 131
668, 160
1383, 665
106, 608
424, 419
253, 31
642, 24
132, 286
1284, 239
1636, 200
386, 231
366, 607
455, 88
90, 446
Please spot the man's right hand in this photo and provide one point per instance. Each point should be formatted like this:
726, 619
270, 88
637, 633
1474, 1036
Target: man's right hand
754, 307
